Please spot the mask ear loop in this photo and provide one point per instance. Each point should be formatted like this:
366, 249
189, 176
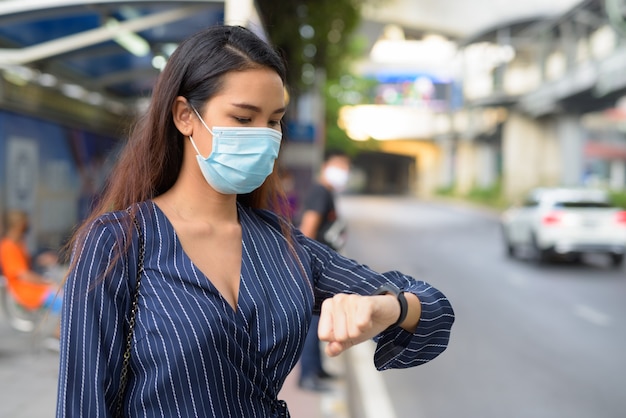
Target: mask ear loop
201, 120
204, 124
194, 146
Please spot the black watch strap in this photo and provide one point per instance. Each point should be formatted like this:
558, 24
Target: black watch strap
399, 294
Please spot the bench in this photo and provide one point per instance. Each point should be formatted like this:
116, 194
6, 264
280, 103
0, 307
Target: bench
20, 318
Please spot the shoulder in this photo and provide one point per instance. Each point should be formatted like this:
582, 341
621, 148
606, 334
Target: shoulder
141, 210
318, 197
111, 233
116, 224
265, 222
7, 243
102, 232
10, 251
110, 220
319, 189
262, 217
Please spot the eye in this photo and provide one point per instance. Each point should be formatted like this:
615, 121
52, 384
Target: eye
274, 123
243, 121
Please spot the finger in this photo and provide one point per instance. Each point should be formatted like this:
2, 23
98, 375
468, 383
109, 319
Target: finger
357, 312
334, 348
340, 307
325, 326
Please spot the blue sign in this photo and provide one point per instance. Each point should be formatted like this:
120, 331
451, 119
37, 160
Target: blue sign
300, 132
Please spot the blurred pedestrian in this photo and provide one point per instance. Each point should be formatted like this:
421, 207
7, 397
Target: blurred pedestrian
30, 289
292, 201
319, 218
186, 297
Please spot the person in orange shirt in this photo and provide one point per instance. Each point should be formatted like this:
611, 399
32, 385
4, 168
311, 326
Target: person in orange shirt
29, 288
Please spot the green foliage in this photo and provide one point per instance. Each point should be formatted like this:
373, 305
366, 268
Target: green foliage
485, 196
448, 191
489, 196
312, 34
318, 35
619, 199
344, 91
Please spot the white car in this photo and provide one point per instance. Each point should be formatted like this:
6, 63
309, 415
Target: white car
566, 222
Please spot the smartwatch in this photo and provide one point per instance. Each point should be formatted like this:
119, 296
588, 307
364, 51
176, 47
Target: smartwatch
389, 288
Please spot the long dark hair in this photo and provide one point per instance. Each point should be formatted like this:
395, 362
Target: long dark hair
150, 162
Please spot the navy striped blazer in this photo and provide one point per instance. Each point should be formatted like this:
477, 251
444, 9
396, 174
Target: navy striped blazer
193, 354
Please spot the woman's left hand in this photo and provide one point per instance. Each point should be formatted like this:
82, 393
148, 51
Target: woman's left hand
347, 320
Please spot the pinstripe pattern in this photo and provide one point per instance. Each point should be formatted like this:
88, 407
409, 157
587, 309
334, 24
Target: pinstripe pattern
193, 355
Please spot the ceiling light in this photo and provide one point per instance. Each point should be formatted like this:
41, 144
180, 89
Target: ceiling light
169, 48
73, 90
158, 62
47, 80
130, 41
18, 74
94, 98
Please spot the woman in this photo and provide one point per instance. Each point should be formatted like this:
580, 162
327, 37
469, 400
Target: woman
30, 289
227, 287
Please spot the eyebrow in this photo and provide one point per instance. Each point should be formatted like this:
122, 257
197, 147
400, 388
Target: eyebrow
256, 108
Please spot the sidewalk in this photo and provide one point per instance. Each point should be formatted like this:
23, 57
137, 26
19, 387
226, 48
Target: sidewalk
307, 404
29, 372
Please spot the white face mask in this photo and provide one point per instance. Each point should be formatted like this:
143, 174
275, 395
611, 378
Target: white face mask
336, 177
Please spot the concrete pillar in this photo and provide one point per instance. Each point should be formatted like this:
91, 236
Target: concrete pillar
571, 137
486, 166
465, 166
617, 175
239, 12
531, 155
446, 169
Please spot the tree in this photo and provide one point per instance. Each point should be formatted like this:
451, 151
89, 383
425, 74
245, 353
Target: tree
311, 34
317, 35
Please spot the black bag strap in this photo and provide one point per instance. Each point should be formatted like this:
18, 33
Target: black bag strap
131, 321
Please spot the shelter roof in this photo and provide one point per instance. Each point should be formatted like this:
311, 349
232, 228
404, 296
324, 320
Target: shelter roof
91, 47
460, 19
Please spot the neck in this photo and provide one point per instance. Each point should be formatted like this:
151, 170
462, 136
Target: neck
192, 199
14, 235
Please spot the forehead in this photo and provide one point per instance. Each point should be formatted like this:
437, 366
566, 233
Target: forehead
261, 83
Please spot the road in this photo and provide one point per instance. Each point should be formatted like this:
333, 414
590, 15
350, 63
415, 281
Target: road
529, 341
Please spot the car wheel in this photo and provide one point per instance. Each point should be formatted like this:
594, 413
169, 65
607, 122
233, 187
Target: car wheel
575, 258
617, 260
540, 255
510, 248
